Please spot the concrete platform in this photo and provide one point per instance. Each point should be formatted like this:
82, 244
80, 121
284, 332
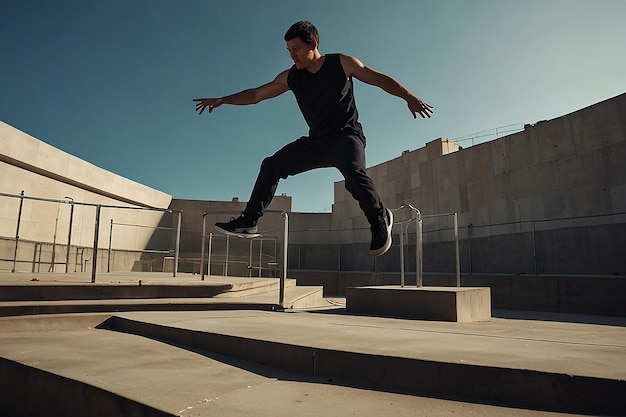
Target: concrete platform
241, 363
237, 359
458, 304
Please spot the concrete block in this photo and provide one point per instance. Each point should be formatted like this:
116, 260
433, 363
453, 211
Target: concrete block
458, 304
441, 146
449, 146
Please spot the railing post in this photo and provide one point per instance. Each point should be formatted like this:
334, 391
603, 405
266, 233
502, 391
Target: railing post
208, 262
94, 257
109, 252
17, 230
418, 244
250, 259
283, 278
534, 243
227, 253
419, 261
402, 255
260, 257
203, 245
69, 236
456, 249
177, 249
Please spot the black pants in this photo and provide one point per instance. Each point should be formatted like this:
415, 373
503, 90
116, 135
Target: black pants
344, 152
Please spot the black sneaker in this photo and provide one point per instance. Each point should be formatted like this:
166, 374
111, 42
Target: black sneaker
381, 233
238, 226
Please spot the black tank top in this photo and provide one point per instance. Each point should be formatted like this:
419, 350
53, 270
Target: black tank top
326, 98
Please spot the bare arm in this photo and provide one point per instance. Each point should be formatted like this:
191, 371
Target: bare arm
272, 89
355, 68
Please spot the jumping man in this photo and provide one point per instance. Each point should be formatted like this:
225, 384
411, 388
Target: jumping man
322, 85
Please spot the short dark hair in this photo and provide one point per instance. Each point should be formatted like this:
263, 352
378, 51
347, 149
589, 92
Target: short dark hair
303, 30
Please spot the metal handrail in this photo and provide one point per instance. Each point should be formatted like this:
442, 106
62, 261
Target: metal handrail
69, 200
417, 218
419, 262
283, 276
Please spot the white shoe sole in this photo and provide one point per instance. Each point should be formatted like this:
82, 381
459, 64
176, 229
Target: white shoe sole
243, 234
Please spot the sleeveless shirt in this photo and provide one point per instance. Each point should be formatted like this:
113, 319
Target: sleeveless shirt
326, 98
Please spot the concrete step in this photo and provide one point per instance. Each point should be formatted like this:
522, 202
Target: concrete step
28, 294
255, 297
138, 288
254, 287
499, 384
151, 364
296, 297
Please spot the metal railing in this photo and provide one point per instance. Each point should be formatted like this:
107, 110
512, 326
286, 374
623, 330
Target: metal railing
418, 217
142, 251
283, 269
217, 249
96, 235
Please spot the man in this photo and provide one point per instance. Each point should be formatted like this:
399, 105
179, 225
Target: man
322, 85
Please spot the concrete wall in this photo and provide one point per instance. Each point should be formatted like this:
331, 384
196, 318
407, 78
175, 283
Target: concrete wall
566, 175
568, 167
40, 170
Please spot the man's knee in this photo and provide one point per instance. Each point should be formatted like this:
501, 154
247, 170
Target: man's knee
266, 163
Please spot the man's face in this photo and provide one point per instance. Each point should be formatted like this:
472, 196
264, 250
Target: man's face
301, 53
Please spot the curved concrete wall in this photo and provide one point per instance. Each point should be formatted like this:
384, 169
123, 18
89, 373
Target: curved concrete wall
40, 170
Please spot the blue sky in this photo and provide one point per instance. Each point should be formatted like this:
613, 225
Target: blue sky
112, 82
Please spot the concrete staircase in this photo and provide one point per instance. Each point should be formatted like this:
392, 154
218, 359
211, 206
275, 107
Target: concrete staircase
54, 296
149, 345
237, 363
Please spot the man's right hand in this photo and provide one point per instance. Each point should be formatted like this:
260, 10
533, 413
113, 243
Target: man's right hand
417, 106
211, 103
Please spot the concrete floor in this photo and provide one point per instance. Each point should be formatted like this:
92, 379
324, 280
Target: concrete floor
319, 361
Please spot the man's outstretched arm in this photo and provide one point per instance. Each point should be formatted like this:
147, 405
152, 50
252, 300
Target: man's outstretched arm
272, 89
355, 68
